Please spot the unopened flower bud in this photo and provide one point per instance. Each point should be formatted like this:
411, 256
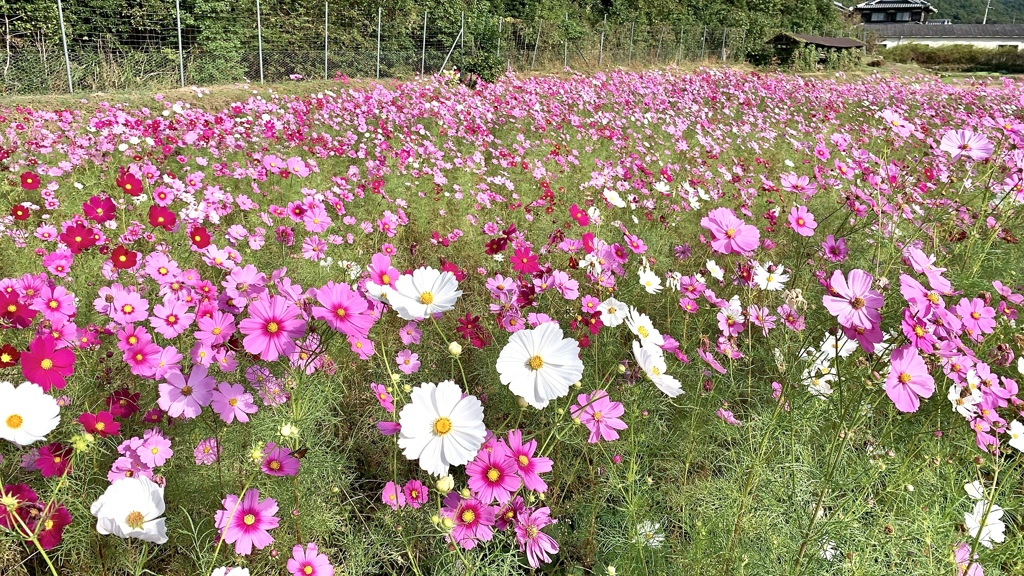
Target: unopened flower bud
447, 523
521, 402
445, 484
465, 493
289, 430
455, 349
611, 571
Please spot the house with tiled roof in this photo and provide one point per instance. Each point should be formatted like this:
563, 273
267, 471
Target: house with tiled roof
1001, 36
894, 11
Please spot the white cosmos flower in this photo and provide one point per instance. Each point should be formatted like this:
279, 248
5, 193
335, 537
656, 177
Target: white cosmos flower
650, 281
966, 406
613, 312
27, 414
614, 199
230, 571
975, 490
1016, 433
771, 281
640, 324
987, 529
715, 270
540, 364
423, 293
648, 533
652, 360
440, 427
131, 508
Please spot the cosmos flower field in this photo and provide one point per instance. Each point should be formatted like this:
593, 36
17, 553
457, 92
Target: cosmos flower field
651, 322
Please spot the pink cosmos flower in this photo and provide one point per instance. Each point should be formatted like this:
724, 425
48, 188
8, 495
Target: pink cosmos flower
410, 333
976, 316
730, 235
386, 402
472, 520
416, 494
207, 452
537, 545
530, 467
182, 398
272, 327
492, 475
45, 365
143, 358
525, 261
215, 329
600, 415
960, 142
408, 361
802, 221
855, 303
54, 459
393, 496
231, 402
966, 563
246, 522
129, 307
171, 318
309, 561
278, 461
344, 309
154, 451
55, 304
908, 380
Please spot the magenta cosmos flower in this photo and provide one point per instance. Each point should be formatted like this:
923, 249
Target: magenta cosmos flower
46, 366
537, 545
272, 327
964, 142
492, 474
245, 522
600, 415
530, 467
278, 461
309, 562
855, 304
182, 398
231, 402
908, 379
416, 494
471, 518
729, 234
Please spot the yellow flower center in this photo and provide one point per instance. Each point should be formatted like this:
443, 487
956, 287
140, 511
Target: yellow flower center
128, 309
249, 520
468, 516
216, 331
598, 416
12, 308
386, 279
493, 474
274, 465
186, 390
905, 378
442, 426
426, 298
532, 531
857, 303
46, 364
523, 460
340, 312
172, 319
272, 327
135, 520
14, 421
536, 362
101, 426
730, 232
233, 402
975, 315
54, 304
644, 333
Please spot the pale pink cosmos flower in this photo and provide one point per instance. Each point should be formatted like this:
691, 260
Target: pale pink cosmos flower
600, 415
393, 496
309, 561
965, 142
408, 361
908, 380
730, 235
231, 402
537, 545
801, 221
344, 309
855, 303
182, 398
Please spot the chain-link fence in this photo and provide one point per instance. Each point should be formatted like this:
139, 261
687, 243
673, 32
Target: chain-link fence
160, 44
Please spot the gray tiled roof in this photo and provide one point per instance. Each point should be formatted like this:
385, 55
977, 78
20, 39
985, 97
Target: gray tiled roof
946, 30
894, 4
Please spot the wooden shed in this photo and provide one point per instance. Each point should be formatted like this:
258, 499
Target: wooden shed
786, 43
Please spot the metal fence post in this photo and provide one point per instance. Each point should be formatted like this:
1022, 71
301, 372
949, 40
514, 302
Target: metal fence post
378, 41
679, 50
423, 54
600, 49
724, 31
64, 40
326, 28
259, 38
462, 34
181, 54
703, 43
500, 20
536, 43
657, 51
565, 43
629, 59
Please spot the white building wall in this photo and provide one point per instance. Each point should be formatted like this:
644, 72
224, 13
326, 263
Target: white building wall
976, 42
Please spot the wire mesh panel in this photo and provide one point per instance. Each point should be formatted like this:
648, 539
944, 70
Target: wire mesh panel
134, 45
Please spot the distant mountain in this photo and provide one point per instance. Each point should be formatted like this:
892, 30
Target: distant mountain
972, 11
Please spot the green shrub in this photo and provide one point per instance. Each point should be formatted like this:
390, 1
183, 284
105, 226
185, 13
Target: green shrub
484, 64
957, 58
